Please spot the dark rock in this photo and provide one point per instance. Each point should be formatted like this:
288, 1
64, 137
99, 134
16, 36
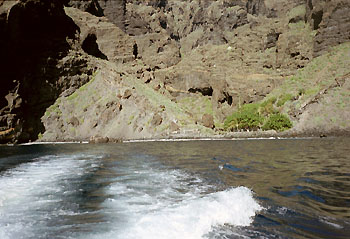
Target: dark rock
34, 36
113, 10
206, 91
90, 46
256, 7
127, 94
74, 121
101, 38
119, 106
90, 6
156, 120
115, 140
157, 87
271, 39
208, 121
331, 20
6, 135
98, 140
147, 77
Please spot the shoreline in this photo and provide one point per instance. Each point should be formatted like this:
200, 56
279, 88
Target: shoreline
129, 141
228, 136
156, 140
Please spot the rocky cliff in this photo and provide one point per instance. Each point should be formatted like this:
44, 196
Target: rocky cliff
34, 45
72, 70
331, 21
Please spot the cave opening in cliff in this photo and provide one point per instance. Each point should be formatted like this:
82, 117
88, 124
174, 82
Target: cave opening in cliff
317, 17
206, 91
90, 46
163, 24
309, 2
228, 98
162, 3
135, 50
174, 37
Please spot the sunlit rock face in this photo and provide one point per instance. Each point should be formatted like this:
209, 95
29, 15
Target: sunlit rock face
331, 21
113, 10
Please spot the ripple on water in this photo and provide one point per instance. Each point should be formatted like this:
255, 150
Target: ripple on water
156, 202
35, 195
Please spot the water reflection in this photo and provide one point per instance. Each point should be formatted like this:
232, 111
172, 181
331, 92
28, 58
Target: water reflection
303, 184
320, 167
310, 176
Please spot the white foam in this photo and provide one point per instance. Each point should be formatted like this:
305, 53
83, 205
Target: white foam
155, 203
53, 142
328, 221
145, 200
30, 191
195, 218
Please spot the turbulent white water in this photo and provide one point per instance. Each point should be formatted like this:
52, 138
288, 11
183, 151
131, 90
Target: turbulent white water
195, 218
143, 200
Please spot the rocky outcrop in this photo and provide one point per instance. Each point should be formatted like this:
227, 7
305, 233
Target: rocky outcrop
113, 10
256, 7
34, 64
208, 121
318, 115
331, 19
158, 50
102, 39
275, 8
113, 106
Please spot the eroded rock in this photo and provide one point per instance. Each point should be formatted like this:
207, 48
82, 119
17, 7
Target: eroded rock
331, 20
34, 36
101, 38
98, 140
113, 10
208, 121
156, 120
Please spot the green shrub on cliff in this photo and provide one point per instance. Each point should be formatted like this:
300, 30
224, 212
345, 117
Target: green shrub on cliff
283, 99
40, 136
277, 122
255, 116
247, 117
54, 108
267, 107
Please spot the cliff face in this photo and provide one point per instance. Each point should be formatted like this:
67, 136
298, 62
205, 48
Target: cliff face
331, 20
33, 46
113, 10
161, 66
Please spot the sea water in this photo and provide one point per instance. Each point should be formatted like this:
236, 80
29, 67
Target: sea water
197, 189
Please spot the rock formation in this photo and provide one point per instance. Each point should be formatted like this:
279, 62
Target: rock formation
331, 20
157, 68
34, 69
113, 10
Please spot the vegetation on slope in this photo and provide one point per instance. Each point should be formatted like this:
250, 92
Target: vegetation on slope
323, 76
255, 116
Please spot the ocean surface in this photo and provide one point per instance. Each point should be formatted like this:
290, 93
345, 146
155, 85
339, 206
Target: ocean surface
288, 188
